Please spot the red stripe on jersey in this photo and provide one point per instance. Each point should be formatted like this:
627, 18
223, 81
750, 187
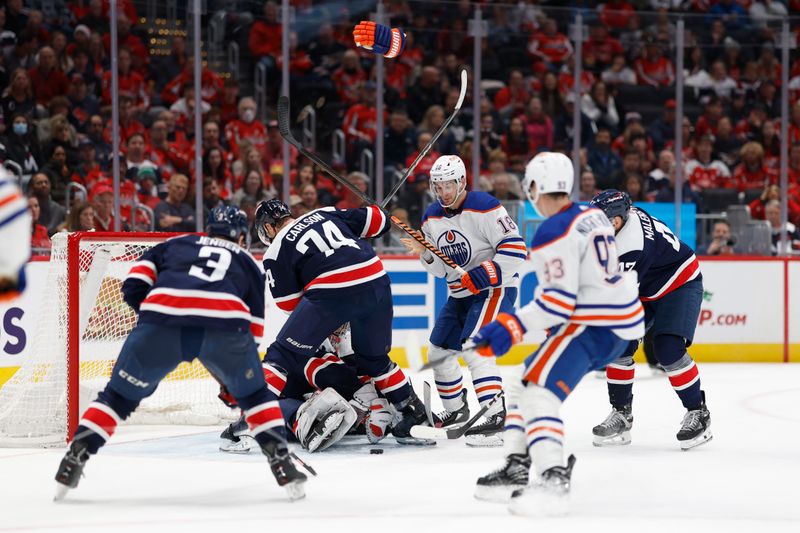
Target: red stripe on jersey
556, 301
390, 381
143, 269
266, 413
510, 246
687, 376
257, 329
274, 380
288, 305
686, 274
488, 387
351, 276
193, 302
102, 419
314, 365
619, 373
375, 222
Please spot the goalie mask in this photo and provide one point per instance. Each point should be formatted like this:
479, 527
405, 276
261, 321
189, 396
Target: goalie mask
448, 180
269, 212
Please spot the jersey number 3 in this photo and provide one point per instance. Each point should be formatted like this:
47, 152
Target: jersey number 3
219, 259
332, 241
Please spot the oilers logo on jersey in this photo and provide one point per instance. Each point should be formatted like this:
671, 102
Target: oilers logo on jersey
456, 246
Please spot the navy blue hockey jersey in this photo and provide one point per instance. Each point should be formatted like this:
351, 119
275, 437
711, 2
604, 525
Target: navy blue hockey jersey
662, 261
325, 250
194, 280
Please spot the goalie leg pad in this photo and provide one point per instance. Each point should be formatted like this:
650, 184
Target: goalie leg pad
323, 420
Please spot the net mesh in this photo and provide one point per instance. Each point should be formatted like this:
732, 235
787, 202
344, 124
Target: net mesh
34, 402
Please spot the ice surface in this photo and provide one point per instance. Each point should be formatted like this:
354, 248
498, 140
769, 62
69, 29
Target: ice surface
174, 479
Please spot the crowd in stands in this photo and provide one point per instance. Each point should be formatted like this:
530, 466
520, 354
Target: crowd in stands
55, 114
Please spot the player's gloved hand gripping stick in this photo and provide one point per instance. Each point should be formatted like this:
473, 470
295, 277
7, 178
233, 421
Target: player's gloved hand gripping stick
286, 133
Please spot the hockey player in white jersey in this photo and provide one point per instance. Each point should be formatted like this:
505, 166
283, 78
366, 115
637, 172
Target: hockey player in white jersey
15, 233
475, 231
591, 311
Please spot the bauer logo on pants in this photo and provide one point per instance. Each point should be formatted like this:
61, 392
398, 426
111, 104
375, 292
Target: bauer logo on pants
455, 246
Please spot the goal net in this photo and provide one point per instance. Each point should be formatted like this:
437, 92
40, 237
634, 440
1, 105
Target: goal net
79, 332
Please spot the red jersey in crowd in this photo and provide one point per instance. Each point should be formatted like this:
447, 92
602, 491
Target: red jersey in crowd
793, 203
360, 118
125, 130
265, 39
656, 73
299, 62
47, 86
40, 241
555, 49
132, 83
132, 43
348, 84
711, 175
705, 126
566, 81
210, 83
745, 179
508, 96
616, 13
169, 161
426, 163
254, 133
603, 49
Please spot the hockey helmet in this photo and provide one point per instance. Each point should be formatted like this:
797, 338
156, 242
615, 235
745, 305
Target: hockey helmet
227, 221
613, 203
448, 168
269, 212
552, 172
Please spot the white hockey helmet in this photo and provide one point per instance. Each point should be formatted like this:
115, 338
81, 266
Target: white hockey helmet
449, 168
552, 172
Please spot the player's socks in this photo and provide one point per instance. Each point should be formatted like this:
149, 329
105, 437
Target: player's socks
680, 368
448, 378
619, 376
393, 384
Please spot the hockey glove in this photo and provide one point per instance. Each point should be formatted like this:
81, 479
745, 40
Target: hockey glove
487, 274
226, 397
496, 338
389, 42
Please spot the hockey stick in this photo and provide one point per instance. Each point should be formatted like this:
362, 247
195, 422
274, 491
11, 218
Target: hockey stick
428, 432
437, 362
430, 144
286, 133
426, 400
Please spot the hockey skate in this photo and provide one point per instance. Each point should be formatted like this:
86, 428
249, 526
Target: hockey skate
488, 433
547, 496
498, 486
283, 468
71, 469
237, 439
695, 427
411, 413
459, 416
615, 430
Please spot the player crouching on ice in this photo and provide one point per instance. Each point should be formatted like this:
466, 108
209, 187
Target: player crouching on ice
475, 231
176, 275
591, 311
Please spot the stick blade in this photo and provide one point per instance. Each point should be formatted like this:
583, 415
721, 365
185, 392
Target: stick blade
283, 117
463, 88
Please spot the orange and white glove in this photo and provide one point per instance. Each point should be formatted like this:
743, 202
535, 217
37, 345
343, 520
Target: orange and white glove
380, 39
485, 275
496, 338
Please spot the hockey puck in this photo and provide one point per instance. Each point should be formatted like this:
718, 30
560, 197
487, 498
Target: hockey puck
376, 451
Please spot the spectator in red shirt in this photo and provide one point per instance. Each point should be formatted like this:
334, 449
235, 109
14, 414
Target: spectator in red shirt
265, 36
653, 68
167, 156
550, 46
426, 163
246, 128
40, 241
752, 173
566, 78
359, 123
709, 120
299, 62
349, 77
210, 85
128, 125
139, 52
350, 200
512, 99
615, 13
704, 172
602, 45
749, 129
229, 102
130, 82
47, 80
794, 165
146, 192
773, 193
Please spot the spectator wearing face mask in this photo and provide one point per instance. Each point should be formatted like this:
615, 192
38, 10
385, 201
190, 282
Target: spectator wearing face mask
21, 147
246, 128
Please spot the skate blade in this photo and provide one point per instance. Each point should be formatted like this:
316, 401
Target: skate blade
295, 490
485, 441
615, 440
496, 494
533, 502
244, 446
414, 441
697, 441
61, 492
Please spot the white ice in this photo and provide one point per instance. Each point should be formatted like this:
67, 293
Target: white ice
174, 479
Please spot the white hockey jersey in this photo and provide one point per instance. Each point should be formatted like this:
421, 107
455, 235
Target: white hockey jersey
575, 257
479, 231
15, 229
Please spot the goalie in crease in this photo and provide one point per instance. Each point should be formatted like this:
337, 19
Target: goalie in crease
198, 297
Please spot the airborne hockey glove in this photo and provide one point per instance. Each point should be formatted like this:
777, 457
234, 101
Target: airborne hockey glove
496, 338
389, 42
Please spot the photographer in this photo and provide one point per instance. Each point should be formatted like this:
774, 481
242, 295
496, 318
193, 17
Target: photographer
722, 241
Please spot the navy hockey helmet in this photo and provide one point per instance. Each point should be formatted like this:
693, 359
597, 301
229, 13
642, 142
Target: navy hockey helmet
228, 222
613, 203
269, 212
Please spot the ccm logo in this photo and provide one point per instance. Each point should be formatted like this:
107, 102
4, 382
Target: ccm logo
132, 380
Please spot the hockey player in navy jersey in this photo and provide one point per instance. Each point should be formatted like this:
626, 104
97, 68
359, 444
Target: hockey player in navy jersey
15, 233
197, 297
475, 231
321, 269
591, 311
671, 289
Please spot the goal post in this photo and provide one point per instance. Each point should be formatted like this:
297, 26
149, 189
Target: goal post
80, 328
